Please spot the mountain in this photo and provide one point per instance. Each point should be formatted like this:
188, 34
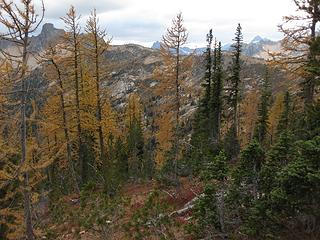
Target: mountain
49, 35
256, 39
156, 45
258, 47
183, 50
133, 65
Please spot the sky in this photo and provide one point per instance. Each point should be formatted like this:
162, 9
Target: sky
145, 21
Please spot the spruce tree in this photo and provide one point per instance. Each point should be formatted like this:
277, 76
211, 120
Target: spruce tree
208, 76
217, 94
235, 79
201, 144
135, 148
262, 124
231, 142
283, 124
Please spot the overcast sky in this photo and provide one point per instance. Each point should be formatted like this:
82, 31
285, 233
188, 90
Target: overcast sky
145, 21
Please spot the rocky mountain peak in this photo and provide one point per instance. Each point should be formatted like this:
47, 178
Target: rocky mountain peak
49, 35
47, 27
156, 45
257, 39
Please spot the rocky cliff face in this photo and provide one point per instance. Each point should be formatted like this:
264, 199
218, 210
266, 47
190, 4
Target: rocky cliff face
132, 71
49, 35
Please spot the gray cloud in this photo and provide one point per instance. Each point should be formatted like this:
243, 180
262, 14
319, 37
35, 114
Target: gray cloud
138, 30
58, 8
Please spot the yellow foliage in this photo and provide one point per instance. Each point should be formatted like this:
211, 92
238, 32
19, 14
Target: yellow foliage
109, 121
275, 113
164, 137
248, 109
134, 109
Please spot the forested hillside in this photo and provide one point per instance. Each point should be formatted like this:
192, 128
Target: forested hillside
104, 141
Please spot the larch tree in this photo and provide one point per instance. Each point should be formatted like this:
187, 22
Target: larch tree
174, 75
174, 40
300, 46
96, 47
21, 21
72, 46
54, 73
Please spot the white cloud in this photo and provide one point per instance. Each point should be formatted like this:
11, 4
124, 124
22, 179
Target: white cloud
146, 20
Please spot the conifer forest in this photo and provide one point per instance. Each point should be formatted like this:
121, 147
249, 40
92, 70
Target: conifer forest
106, 141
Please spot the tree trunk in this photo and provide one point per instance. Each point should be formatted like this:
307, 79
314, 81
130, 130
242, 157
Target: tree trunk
26, 190
99, 107
76, 79
66, 129
177, 130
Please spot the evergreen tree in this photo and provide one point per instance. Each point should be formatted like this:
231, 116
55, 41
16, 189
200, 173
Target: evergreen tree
135, 138
87, 152
121, 157
263, 112
235, 79
205, 214
207, 117
207, 82
284, 121
217, 94
209, 218
135, 148
247, 174
231, 142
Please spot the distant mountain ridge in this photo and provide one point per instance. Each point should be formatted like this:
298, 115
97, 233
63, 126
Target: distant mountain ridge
183, 50
258, 47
